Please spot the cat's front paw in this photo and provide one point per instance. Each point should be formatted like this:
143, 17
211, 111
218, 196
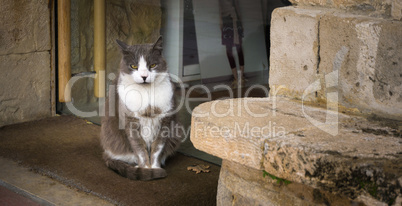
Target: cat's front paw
145, 174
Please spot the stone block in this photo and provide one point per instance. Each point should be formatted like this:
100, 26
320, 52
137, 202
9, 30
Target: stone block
25, 26
356, 60
24, 87
294, 49
366, 55
241, 185
329, 151
236, 129
375, 8
342, 3
340, 163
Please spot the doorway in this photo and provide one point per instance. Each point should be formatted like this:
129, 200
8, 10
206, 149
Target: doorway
192, 48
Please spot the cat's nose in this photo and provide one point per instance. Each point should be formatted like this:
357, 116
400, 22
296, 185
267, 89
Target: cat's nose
144, 78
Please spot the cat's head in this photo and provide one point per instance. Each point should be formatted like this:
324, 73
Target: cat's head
144, 62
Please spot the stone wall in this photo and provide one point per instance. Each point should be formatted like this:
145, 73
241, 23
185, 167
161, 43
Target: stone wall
339, 55
132, 21
25, 61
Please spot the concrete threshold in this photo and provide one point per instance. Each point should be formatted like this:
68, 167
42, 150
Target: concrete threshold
42, 189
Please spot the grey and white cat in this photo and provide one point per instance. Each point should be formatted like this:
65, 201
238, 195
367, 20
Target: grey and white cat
134, 132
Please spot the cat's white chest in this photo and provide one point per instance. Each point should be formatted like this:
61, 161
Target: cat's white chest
137, 97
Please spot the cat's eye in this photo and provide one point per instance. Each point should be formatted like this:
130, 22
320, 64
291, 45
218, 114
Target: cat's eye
153, 66
134, 66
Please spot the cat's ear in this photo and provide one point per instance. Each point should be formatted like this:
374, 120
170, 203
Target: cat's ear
158, 44
123, 46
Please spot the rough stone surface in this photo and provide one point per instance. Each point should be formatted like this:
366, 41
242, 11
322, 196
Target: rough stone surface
357, 64
378, 8
294, 57
323, 149
341, 163
232, 132
367, 53
25, 26
396, 10
241, 185
25, 44
24, 87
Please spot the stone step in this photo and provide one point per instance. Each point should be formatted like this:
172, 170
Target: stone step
354, 156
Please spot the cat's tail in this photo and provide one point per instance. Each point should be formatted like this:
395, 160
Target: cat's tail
134, 173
